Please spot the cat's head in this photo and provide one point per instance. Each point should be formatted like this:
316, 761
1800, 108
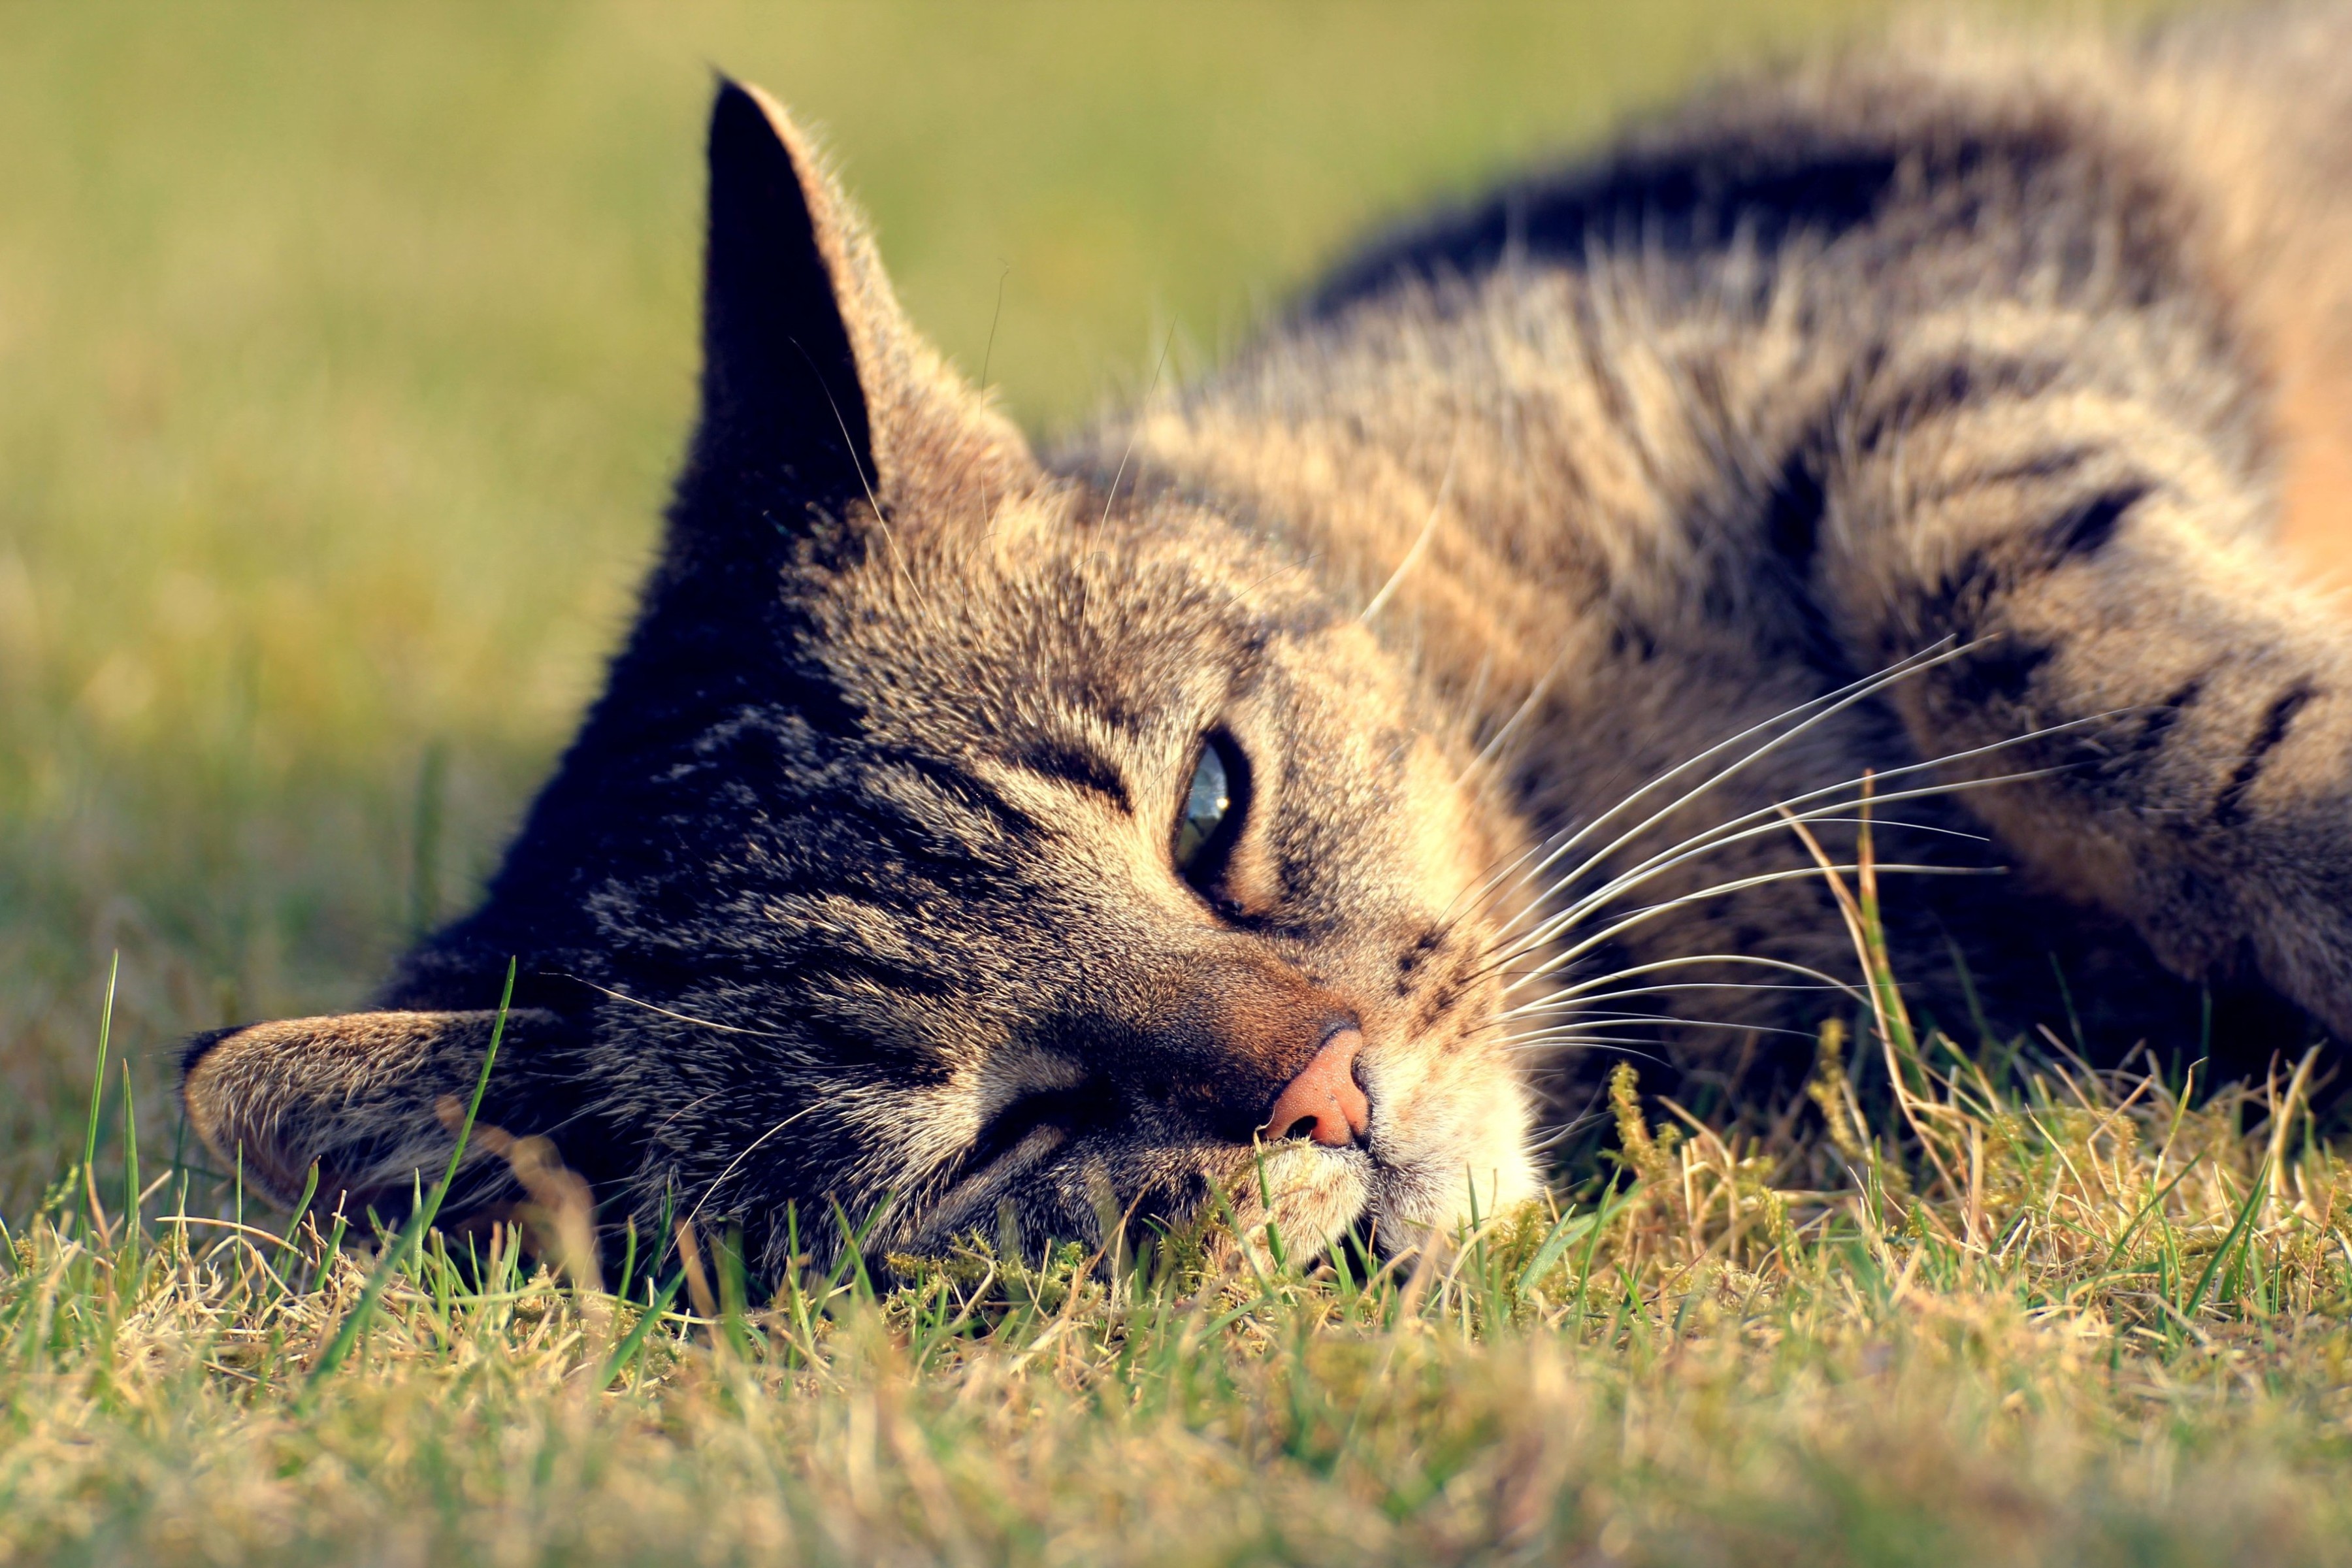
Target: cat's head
951, 833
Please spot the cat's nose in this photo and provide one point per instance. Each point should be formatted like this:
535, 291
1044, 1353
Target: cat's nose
1325, 1102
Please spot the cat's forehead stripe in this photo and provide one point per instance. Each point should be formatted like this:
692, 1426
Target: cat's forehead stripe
1073, 764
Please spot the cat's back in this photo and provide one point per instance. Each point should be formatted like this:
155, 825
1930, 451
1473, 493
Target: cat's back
1584, 361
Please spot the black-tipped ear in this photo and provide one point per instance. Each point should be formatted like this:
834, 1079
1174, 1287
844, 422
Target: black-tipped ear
784, 406
820, 403
356, 1094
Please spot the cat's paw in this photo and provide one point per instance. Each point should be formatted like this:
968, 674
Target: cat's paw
2282, 913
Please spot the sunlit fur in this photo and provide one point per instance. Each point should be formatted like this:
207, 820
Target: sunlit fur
1959, 362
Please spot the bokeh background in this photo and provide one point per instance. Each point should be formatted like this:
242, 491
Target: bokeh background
345, 352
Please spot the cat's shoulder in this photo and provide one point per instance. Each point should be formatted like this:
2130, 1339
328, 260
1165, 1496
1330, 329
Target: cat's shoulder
2199, 124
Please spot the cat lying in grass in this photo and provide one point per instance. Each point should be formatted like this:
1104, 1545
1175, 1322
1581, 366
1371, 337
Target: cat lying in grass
1291, 787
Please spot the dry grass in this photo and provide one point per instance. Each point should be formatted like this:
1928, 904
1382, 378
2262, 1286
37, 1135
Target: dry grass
2115, 1332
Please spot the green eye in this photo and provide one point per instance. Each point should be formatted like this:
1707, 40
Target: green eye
1204, 828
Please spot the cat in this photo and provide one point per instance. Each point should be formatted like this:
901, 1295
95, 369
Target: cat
1284, 790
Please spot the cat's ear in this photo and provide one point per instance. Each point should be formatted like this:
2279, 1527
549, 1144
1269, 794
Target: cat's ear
360, 1095
820, 403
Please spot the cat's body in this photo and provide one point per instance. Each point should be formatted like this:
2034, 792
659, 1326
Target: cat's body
1828, 368
870, 876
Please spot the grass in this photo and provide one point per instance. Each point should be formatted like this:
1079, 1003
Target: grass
2116, 1334
344, 358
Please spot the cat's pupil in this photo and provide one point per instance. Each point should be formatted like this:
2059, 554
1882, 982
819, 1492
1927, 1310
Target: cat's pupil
1205, 806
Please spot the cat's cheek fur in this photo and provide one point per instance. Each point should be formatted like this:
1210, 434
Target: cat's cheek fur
908, 1135
1446, 1124
1313, 1196
1448, 1146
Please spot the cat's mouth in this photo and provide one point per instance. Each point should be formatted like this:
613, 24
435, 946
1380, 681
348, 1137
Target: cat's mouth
1035, 1125
1067, 1149
1024, 1134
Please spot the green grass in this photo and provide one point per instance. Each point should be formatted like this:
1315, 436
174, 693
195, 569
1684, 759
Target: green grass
2116, 1334
344, 358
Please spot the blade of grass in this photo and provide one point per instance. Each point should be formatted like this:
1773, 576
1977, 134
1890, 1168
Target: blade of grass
97, 1096
731, 1287
1603, 1212
293, 1225
129, 1167
420, 1219
2256, 1192
1570, 1228
624, 1354
329, 1253
628, 1260
2145, 1210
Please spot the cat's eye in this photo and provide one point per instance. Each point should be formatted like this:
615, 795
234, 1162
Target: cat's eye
1210, 816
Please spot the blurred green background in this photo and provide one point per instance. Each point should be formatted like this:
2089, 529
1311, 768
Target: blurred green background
345, 352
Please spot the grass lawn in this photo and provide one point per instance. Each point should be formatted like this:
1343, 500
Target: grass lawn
344, 356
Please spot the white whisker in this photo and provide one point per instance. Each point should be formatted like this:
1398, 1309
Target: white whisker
1737, 885
1578, 1020
1761, 823
668, 1013
1413, 556
1826, 706
1557, 844
1698, 986
1708, 837
1566, 1130
1783, 965
721, 1180
1487, 752
1579, 1040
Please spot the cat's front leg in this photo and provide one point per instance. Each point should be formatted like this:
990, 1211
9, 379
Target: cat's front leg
2090, 529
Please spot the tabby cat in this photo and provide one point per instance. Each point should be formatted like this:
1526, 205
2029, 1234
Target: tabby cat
1291, 786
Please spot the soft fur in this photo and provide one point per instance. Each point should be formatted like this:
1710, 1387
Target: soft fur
855, 892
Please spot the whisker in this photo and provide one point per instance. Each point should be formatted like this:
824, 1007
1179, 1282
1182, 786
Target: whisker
1495, 882
1707, 837
1613, 1041
720, 1179
1566, 1130
1753, 825
667, 1013
1585, 987
1876, 822
1560, 920
1510, 949
1737, 885
1557, 844
1693, 842
1554, 1047
1698, 986
663, 1125
1413, 556
1825, 707
1487, 752
1723, 833
1577, 1020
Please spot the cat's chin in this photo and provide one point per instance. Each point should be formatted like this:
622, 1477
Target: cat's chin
1313, 1196
1061, 1182
1318, 1197
1058, 1187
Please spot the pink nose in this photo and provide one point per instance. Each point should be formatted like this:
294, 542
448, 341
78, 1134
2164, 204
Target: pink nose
1324, 1102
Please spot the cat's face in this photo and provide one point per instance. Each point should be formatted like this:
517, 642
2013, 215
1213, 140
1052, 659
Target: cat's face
1009, 853
1129, 825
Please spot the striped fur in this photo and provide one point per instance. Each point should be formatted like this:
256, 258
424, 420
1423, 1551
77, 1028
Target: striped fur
856, 888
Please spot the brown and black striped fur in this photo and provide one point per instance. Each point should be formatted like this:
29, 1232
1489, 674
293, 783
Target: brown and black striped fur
2032, 358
